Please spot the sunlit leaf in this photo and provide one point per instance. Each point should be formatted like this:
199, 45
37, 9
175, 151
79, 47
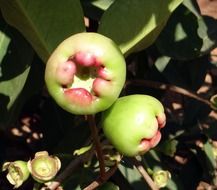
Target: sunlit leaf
94, 9
208, 149
4, 42
132, 176
15, 66
162, 62
44, 23
135, 24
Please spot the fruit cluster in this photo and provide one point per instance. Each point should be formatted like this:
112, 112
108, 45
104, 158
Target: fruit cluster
86, 74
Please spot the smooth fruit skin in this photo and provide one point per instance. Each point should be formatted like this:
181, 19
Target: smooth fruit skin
90, 50
132, 124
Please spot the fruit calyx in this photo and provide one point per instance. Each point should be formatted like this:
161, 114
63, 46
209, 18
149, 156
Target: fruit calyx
81, 78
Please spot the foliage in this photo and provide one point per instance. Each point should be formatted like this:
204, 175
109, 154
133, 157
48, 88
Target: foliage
168, 49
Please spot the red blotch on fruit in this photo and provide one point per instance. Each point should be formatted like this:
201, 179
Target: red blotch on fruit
155, 140
103, 73
79, 96
146, 144
99, 85
161, 119
65, 72
85, 59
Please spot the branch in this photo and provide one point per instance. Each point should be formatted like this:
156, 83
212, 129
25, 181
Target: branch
173, 88
144, 174
99, 181
92, 125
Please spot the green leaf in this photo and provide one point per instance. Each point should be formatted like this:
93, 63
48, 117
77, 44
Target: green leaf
161, 63
109, 186
191, 6
95, 8
135, 24
132, 176
15, 66
208, 150
187, 35
4, 43
168, 147
102, 4
44, 23
82, 150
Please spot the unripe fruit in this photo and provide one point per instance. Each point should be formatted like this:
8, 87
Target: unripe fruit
161, 178
86, 73
132, 124
43, 167
18, 172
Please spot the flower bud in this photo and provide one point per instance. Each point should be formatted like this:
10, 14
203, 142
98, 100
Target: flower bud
213, 101
18, 172
111, 156
43, 167
161, 177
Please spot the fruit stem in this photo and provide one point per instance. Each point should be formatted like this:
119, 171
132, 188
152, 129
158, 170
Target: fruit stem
144, 174
96, 141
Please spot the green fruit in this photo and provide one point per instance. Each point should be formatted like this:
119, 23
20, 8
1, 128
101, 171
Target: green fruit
44, 167
86, 73
161, 178
132, 124
17, 172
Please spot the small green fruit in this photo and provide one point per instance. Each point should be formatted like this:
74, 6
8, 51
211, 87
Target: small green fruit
86, 73
161, 178
18, 172
132, 124
44, 167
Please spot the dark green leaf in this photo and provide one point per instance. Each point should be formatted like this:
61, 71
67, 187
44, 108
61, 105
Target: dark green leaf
132, 176
15, 67
44, 23
187, 36
168, 147
109, 186
95, 9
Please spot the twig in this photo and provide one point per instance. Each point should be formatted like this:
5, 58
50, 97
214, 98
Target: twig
96, 141
144, 174
101, 180
163, 86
